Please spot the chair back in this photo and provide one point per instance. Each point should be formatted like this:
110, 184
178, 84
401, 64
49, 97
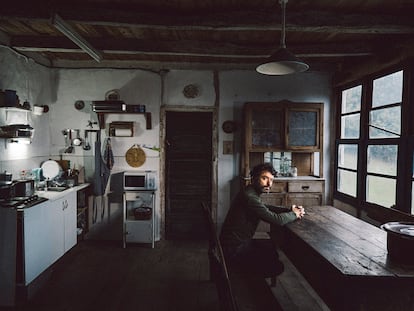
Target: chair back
218, 268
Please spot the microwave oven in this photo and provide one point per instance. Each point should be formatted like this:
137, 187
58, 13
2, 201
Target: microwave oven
139, 180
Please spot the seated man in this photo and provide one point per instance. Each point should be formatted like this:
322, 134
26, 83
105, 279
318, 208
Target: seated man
258, 257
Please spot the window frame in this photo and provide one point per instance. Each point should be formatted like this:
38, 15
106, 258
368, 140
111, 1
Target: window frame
404, 143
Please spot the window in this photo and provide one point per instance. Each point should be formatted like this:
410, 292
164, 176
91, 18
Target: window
370, 157
347, 169
348, 150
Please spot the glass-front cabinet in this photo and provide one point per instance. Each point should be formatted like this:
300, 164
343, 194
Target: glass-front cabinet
284, 127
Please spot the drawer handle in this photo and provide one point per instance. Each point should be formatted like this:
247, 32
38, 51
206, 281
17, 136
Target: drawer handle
305, 187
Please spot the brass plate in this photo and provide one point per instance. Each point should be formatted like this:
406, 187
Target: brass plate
135, 156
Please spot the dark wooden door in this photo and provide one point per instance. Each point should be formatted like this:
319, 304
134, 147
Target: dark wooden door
188, 173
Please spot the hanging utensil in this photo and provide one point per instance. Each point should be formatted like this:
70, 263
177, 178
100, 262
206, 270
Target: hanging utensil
68, 137
86, 145
77, 141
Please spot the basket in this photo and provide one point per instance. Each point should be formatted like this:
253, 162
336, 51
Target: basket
142, 213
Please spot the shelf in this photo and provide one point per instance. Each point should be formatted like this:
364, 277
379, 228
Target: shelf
101, 118
17, 109
103, 107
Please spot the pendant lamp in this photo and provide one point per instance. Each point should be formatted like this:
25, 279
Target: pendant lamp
282, 62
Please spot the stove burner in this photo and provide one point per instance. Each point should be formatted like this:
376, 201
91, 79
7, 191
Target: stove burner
21, 202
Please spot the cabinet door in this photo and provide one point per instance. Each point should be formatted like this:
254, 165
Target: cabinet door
303, 128
39, 240
70, 221
266, 127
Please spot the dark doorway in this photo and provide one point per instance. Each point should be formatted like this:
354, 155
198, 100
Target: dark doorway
188, 173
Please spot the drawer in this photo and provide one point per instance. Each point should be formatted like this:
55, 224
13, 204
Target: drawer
304, 199
305, 186
273, 199
279, 187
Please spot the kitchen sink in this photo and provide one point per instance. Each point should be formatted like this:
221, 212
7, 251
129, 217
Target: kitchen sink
57, 188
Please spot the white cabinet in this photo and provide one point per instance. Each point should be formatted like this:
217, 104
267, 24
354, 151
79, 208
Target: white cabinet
139, 217
68, 205
49, 231
39, 251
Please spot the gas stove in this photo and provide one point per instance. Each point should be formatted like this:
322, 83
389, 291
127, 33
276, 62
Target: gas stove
21, 202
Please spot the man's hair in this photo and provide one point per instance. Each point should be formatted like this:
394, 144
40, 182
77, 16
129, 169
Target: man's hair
264, 167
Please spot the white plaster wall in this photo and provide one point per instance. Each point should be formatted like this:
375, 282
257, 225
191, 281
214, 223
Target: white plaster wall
35, 84
135, 87
175, 82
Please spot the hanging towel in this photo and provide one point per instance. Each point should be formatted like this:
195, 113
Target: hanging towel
108, 154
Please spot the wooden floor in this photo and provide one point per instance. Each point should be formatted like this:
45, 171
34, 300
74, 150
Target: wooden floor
173, 276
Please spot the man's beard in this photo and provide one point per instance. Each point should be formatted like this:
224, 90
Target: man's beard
264, 189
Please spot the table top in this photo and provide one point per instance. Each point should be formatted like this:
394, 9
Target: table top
353, 246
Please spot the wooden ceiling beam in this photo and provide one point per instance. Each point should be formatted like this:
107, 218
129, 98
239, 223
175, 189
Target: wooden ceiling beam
187, 47
258, 20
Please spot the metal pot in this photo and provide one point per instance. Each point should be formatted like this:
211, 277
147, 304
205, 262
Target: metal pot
24, 188
6, 178
400, 241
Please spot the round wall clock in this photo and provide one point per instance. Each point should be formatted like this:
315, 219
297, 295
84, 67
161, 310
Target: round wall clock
135, 156
229, 126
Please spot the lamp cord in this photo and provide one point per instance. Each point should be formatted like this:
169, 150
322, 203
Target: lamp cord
283, 35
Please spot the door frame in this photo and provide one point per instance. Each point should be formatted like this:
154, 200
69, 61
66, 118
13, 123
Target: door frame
214, 157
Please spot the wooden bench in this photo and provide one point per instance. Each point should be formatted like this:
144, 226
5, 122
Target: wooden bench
236, 292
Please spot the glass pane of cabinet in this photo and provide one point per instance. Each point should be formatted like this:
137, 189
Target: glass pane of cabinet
283, 126
267, 128
302, 128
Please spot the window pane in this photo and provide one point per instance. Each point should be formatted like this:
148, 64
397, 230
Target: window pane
388, 90
351, 99
385, 123
347, 182
412, 198
348, 156
382, 159
381, 191
350, 126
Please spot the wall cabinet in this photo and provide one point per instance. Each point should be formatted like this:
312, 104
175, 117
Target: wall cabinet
282, 126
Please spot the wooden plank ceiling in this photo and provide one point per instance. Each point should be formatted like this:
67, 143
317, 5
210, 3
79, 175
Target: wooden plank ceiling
208, 34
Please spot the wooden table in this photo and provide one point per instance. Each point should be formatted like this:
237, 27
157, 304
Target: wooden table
345, 260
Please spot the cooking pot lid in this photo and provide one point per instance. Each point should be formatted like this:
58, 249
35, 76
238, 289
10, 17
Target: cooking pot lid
403, 228
50, 169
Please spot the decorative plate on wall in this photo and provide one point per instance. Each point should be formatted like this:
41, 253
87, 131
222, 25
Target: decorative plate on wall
229, 126
112, 95
191, 91
135, 156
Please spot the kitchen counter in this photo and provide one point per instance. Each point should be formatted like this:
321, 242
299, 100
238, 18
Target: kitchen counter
55, 195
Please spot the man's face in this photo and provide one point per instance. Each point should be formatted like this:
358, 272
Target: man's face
264, 181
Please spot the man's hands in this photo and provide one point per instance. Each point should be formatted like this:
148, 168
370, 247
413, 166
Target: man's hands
298, 210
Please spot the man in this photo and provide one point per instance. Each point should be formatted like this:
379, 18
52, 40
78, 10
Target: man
241, 251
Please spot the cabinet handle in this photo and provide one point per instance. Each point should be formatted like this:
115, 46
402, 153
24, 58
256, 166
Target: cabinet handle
305, 187
64, 205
